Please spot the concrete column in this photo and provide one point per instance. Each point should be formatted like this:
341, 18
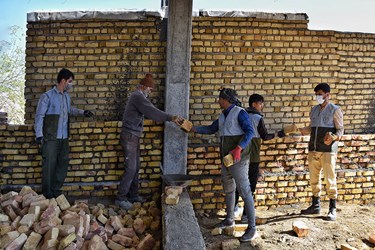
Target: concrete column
177, 85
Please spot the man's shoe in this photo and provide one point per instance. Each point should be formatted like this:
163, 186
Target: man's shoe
124, 204
249, 235
225, 223
136, 199
314, 208
244, 219
332, 210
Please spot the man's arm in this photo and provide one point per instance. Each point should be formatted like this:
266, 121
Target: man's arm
338, 120
150, 111
244, 121
262, 130
40, 114
211, 129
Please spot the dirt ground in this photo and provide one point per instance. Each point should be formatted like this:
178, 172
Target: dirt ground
354, 225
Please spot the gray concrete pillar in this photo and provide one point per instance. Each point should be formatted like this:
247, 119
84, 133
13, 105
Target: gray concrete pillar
177, 83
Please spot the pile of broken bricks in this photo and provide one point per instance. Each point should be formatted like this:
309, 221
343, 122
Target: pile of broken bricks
30, 221
172, 194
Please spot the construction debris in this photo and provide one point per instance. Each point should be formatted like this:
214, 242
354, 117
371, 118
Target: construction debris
300, 228
30, 221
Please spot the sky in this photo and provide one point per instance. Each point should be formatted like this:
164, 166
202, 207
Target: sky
339, 15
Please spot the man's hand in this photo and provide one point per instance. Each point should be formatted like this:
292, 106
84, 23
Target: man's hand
39, 140
236, 154
88, 113
329, 138
177, 119
281, 133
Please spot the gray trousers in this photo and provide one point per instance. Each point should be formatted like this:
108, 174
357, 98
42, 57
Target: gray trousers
130, 179
237, 176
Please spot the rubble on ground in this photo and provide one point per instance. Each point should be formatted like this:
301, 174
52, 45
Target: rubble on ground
31, 221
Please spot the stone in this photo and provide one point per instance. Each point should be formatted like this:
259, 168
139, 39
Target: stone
139, 226
230, 244
229, 231
300, 228
216, 231
147, 243
173, 190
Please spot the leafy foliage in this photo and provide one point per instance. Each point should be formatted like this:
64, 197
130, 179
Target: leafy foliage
12, 76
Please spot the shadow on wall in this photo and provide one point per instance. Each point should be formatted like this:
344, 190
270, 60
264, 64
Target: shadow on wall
370, 128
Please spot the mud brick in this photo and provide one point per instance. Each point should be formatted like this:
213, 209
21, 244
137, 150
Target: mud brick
127, 231
27, 220
139, 226
290, 129
96, 243
27, 190
71, 219
10, 212
155, 225
4, 229
8, 196
113, 245
72, 246
36, 211
65, 230
15, 222
43, 204
186, 125
79, 227
53, 202
23, 229
300, 228
50, 212
122, 240
32, 241
50, 244
62, 202
8, 238
116, 223
86, 224
229, 231
17, 243
230, 244
108, 228
94, 225
52, 222
216, 231
53, 233
79, 242
173, 190
146, 243
66, 241
228, 160
4, 218
172, 199
10, 202
154, 211
347, 247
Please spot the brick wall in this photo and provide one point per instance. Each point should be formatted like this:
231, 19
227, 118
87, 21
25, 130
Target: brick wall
280, 59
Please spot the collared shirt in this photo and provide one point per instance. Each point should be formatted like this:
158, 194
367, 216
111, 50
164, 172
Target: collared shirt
243, 120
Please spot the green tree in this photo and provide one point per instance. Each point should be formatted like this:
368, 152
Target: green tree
12, 76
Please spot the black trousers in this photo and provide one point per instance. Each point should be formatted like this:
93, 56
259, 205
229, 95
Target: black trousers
55, 154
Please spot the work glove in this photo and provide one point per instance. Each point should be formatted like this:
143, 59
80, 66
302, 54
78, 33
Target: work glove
236, 153
88, 113
39, 140
281, 133
178, 120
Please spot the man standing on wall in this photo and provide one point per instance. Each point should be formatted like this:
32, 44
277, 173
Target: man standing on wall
326, 128
52, 132
236, 132
256, 105
137, 108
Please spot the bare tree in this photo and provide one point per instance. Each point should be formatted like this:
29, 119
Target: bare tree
12, 76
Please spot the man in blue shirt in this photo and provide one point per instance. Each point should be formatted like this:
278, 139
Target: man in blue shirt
52, 133
236, 132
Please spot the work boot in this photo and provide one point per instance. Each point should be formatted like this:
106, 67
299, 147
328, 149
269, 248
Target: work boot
244, 219
225, 223
125, 204
250, 234
314, 208
332, 210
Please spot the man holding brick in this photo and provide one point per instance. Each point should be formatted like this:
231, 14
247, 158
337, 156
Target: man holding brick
52, 132
236, 132
326, 128
137, 107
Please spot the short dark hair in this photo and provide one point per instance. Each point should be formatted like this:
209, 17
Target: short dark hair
255, 98
64, 74
323, 86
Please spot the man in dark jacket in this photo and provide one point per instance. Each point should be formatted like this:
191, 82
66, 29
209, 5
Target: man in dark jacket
326, 128
256, 105
137, 108
52, 132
